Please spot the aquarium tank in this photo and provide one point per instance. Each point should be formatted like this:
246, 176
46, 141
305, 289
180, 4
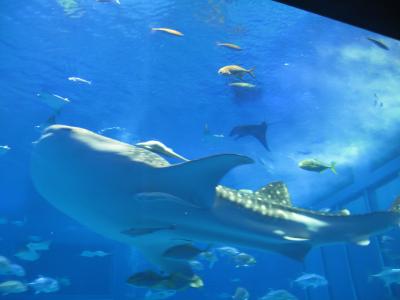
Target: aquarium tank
215, 149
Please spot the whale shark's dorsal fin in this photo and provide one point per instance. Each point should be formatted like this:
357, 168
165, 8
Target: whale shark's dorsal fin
196, 180
275, 192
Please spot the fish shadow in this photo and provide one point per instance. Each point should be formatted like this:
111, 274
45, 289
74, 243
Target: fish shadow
246, 95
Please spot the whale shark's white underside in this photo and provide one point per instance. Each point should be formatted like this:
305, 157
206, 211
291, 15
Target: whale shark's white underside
134, 196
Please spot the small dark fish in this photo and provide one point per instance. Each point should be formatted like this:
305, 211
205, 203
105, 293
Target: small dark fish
241, 294
146, 279
378, 43
305, 152
377, 102
184, 252
143, 231
175, 281
257, 131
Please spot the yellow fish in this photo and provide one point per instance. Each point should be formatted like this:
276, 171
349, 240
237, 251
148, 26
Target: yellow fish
229, 45
236, 71
168, 30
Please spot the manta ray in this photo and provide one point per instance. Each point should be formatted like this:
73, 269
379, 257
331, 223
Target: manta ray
258, 131
135, 196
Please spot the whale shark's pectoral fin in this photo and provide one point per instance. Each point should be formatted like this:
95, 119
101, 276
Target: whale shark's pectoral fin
154, 250
195, 181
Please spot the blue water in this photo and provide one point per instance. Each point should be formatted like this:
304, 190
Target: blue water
327, 91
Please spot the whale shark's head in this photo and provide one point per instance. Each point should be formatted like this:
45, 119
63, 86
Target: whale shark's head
82, 173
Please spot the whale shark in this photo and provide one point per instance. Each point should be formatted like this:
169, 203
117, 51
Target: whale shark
134, 196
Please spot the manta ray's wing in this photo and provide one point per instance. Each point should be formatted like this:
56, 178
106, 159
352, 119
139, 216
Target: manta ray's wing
260, 133
238, 132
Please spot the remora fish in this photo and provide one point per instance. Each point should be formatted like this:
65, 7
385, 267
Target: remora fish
80, 80
244, 85
160, 148
112, 187
378, 43
168, 30
229, 45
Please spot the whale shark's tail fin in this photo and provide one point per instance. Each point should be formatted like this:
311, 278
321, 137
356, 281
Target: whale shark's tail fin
196, 180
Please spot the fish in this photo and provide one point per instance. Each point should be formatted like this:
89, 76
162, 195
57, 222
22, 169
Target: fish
387, 239
210, 257
12, 287
196, 265
17, 270
278, 295
4, 149
80, 80
19, 223
168, 30
110, 186
241, 294
236, 71
4, 265
27, 254
209, 136
378, 43
309, 280
315, 165
258, 131
44, 285
148, 279
244, 85
8, 268
388, 276
71, 8
304, 152
153, 280
244, 260
144, 231
160, 148
105, 1
54, 101
99, 253
185, 252
39, 246
227, 251
229, 45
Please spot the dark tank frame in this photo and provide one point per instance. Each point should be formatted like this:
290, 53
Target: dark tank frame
379, 16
